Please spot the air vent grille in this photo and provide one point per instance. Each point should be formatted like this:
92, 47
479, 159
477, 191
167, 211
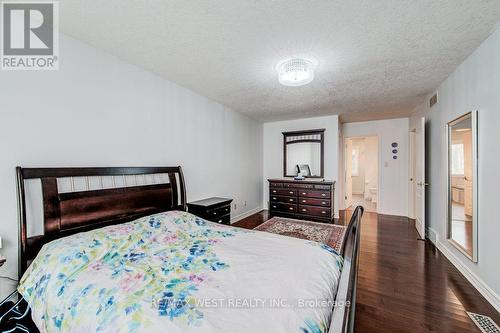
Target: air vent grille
433, 101
484, 323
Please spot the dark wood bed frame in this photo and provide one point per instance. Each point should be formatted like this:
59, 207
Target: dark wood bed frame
65, 214
345, 309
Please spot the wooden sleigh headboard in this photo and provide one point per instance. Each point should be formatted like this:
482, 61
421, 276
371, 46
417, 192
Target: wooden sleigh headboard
94, 206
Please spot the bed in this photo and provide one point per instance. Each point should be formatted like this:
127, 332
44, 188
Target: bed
131, 259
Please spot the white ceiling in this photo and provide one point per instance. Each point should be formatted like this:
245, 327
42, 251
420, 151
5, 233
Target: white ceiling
377, 59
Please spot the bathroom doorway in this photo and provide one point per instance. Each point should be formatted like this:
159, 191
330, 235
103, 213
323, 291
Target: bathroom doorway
361, 172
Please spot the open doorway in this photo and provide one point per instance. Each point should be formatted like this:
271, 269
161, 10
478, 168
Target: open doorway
361, 172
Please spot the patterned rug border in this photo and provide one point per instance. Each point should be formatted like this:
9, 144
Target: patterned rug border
297, 220
333, 240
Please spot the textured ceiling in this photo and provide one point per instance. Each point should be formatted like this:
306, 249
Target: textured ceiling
377, 59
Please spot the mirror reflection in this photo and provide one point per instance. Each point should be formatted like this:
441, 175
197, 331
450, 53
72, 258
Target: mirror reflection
461, 184
303, 154
304, 158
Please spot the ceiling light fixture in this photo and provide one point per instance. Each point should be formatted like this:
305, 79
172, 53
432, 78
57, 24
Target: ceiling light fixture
295, 72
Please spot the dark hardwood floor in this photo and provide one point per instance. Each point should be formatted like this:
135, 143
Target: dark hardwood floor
405, 284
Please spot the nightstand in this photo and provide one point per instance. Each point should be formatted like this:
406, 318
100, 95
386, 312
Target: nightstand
213, 209
7, 284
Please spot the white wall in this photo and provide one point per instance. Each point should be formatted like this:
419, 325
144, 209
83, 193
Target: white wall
393, 174
99, 111
273, 148
474, 85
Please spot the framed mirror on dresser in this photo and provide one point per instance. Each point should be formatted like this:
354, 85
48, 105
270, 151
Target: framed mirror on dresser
303, 153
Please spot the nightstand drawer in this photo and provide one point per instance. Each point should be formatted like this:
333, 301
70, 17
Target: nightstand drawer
275, 198
218, 212
223, 219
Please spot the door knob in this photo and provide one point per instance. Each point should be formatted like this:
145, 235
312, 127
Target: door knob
422, 184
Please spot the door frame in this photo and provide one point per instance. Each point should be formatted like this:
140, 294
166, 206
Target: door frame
347, 156
379, 160
412, 204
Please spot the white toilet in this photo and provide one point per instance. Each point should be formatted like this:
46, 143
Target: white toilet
373, 194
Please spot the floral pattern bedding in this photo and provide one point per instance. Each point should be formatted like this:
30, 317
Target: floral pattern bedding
175, 272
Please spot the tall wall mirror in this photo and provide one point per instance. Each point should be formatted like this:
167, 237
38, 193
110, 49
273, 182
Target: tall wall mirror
462, 184
303, 153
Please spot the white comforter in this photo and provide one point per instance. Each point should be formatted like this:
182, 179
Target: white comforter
174, 272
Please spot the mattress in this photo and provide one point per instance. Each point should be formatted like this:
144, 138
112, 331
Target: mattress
175, 272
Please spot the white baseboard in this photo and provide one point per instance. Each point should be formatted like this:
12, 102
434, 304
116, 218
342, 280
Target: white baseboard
431, 234
245, 214
418, 226
479, 284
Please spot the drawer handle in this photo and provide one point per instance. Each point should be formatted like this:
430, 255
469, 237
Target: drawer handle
323, 194
323, 202
304, 210
227, 209
304, 201
274, 191
291, 200
274, 198
304, 193
291, 208
323, 212
220, 221
291, 192
274, 206
215, 213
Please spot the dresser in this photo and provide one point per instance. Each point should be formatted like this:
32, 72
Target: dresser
212, 209
302, 199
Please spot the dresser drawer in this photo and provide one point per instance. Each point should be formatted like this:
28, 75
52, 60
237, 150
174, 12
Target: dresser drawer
299, 186
275, 198
314, 202
314, 211
277, 191
323, 187
283, 207
314, 194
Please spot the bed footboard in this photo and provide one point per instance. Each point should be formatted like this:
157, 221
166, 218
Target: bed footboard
345, 301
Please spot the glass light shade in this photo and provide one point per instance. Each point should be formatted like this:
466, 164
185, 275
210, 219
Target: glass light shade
295, 72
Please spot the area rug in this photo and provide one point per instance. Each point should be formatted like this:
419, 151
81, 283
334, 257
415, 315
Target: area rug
329, 234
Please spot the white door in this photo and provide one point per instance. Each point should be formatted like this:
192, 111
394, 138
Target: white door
413, 181
347, 173
420, 178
